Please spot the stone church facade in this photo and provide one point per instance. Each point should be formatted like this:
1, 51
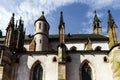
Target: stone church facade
59, 56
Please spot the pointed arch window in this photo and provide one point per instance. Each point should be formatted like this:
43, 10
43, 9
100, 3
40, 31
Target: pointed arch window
86, 72
37, 72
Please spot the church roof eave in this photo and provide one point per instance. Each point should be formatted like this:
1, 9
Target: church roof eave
93, 37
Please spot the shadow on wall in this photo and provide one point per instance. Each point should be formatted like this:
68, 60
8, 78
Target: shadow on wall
72, 69
23, 70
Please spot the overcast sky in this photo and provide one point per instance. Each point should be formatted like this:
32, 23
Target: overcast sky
78, 14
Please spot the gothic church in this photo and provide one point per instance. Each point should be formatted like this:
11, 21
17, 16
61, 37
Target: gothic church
60, 56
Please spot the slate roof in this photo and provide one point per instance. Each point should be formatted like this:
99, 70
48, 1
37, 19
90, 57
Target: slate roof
92, 37
41, 18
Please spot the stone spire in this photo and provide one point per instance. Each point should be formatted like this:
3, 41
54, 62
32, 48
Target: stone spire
112, 31
61, 29
11, 22
61, 23
9, 39
21, 24
97, 25
62, 50
96, 19
110, 20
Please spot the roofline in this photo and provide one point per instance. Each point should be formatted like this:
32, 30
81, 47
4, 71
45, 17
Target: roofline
81, 52
37, 53
67, 38
92, 52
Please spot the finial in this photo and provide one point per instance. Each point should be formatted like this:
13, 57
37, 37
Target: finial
42, 12
95, 11
61, 17
61, 12
20, 17
108, 11
13, 14
69, 35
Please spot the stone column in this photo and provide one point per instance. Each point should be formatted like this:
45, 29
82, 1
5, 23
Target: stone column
61, 71
1, 72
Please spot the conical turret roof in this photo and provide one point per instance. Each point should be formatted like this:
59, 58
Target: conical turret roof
96, 19
41, 18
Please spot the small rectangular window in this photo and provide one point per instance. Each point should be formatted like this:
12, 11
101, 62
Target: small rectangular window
45, 27
39, 25
40, 41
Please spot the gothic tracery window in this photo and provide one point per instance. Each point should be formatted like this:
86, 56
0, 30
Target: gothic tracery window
37, 72
86, 72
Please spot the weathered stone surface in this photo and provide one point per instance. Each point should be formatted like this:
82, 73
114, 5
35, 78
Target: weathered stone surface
61, 71
1, 72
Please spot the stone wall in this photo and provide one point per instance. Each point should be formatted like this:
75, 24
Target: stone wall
101, 70
114, 58
1, 72
50, 68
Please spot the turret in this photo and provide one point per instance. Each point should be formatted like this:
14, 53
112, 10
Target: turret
112, 30
9, 39
97, 25
41, 33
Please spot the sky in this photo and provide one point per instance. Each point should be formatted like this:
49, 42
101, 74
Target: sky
78, 14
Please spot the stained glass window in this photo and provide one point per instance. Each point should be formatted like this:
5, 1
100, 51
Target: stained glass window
37, 72
86, 72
